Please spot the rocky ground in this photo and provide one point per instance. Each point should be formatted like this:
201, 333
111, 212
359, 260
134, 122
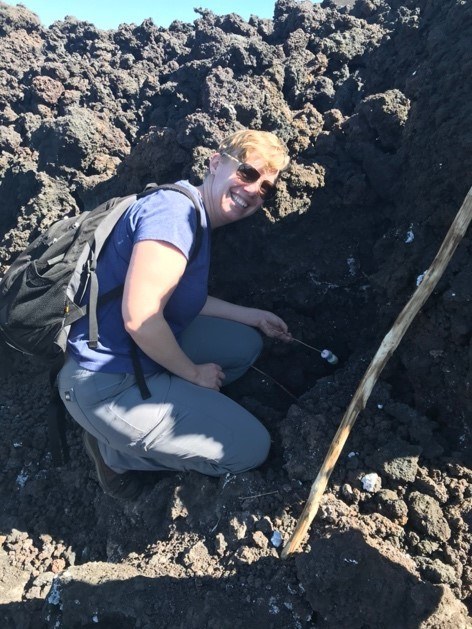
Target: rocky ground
374, 100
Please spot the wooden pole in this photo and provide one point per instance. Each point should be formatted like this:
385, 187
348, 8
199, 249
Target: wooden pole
388, 346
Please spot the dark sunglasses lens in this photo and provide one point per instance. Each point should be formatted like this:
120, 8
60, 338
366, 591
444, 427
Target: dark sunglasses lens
267, 191
247, 173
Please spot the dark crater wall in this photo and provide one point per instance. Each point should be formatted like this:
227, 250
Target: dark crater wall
374, 100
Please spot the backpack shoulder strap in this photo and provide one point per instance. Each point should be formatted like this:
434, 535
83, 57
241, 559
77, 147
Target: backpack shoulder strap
101, 234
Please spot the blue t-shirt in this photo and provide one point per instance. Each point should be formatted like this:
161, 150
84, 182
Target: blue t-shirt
164, 215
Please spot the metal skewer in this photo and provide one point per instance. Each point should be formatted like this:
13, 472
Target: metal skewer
306, 345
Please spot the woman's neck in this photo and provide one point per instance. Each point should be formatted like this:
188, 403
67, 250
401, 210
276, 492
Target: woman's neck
205, 191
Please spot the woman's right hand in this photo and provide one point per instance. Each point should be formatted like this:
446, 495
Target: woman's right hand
209, 375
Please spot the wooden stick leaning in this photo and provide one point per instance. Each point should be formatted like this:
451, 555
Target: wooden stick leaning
388, 346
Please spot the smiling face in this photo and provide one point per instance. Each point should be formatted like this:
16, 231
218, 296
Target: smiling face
228, 197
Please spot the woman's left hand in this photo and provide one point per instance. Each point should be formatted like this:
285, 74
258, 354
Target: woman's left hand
272, 325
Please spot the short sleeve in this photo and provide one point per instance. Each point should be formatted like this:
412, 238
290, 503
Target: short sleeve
165, 215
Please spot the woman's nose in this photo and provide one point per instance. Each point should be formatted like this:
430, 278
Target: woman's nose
254, 187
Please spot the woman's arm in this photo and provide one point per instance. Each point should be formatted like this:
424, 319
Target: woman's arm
154, 271
267, 322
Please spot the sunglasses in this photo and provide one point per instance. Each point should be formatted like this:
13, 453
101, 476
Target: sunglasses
249, 174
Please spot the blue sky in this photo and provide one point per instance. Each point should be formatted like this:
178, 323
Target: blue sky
107, 14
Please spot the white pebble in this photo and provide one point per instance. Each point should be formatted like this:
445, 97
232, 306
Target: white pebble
371, 482
420, 278
22, 478
276, 539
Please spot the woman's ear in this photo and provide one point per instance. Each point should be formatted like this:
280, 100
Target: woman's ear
214, 161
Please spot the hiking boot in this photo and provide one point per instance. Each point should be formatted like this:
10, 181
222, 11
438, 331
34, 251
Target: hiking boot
125, 486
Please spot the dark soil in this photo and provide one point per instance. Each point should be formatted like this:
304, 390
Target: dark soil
374, 100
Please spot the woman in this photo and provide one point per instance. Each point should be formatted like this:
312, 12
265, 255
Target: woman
190, 344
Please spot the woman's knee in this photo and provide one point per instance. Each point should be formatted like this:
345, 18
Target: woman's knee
243, 354
253, 450
263, 446
233, 345
241, 344
254, 343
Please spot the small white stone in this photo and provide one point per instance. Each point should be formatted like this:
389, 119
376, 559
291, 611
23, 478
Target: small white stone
22, 478
420, 278
371, 482
276, 539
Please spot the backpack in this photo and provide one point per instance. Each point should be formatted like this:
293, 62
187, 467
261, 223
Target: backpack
42, 291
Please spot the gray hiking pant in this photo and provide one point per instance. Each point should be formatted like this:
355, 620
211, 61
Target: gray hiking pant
182, 426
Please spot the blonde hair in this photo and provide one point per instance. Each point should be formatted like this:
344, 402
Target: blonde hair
265, 144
